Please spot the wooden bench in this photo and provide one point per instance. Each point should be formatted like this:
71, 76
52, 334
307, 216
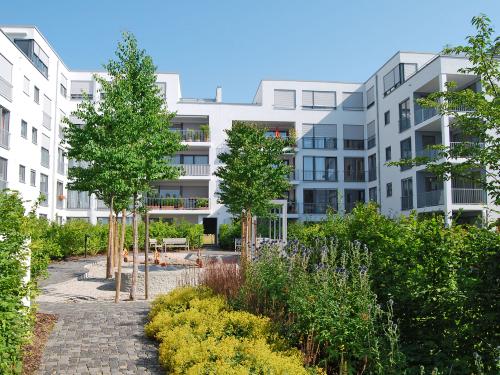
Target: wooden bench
175, 243
153, 244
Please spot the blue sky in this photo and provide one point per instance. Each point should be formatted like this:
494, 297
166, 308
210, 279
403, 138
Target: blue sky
237, 43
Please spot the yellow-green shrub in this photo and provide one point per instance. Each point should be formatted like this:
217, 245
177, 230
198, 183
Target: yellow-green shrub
198, 333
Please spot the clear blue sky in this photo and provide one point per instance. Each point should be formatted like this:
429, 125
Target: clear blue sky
237, 43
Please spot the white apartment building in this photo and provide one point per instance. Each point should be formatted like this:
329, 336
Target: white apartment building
345, 132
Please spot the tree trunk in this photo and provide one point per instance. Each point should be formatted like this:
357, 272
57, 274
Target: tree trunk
116, 242
118, 283
135, 267
146, 253
249, 235
109, 254
243, 239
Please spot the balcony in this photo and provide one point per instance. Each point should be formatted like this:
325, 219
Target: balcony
423, 114
430, 198
319, 143
192, 135
355, 176
468, 196
466, 144
5, 89
329, 175
35, 54
407, 202
177, 203
47, 120
320, 208
354, 144
427, 153
4, 139
194, 169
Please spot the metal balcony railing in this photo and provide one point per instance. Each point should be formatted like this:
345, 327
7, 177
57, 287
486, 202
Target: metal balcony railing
427, 153
466, 144
329, 143
354, 144
422, 114
461, 108
5, 89
329, 175
4, 139
320, 208
468, 196
407, 202
194, 169
430, 198
192, 135
47, 120
355, 176
177, 203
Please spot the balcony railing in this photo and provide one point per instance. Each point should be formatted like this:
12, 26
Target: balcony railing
75, 203
329, 143
5, 89
191, 135
407, 202
427, 153
354, 144
466, 144
194, 169
177, 203
422, 114
4, 139
430, 198
468, 196
320, 208
47, 120
354, 176
329, 175
461, 108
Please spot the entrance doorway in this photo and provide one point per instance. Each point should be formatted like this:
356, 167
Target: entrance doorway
209, 230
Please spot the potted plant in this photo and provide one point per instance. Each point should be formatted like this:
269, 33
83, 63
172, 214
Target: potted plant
190, 135
205, 131
60, 197
202, 203
169, 202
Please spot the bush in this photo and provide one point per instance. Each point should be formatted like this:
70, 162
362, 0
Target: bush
71, 238
228, 233
198, 333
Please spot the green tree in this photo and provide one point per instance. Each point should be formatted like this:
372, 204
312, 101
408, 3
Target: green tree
253, 174
476, 115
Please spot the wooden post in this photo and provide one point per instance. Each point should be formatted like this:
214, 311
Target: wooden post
118, 282
109, 255
135, 264
146, 254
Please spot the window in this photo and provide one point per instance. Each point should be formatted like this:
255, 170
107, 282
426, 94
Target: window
162, 87
33, 177
5, 78
404, 115
353, 197
319, 136
45, 157
388, 155
34, 136
47, 110
388, 189
44, 189
24, 129
79, 88
318, 168
26, 86
22, 173
3, 173
4, 128
372, 167
78, 199
319, 201
284, 99
398, 76
354, 137
370, 97
35, 54
319, 99
60, 161
370, 132
60, 195
63, 87
387, 117
405, 152
353, 101
36, 95
406, 194
372, 194
354, 169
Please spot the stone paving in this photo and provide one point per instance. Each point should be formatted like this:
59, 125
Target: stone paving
99, 338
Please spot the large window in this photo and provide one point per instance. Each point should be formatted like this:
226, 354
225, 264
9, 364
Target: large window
319, 136
78, 199
352, 101
37, 55
3, 173
319, 201
372, 194
405, 152
404, 115
352, 197
60, 195
354, 170
372, 167
44, 189
397, 76
370, 97
319, 99
284, 99
318, 168
45, 157
354, 137
61, 159
22, 173
80, 88
406, 194
370, 132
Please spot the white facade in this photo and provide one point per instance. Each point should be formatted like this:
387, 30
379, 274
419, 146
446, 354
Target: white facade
339, 127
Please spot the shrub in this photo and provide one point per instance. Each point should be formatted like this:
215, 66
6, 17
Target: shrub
198, 333
223, 278
228, 233
71, 238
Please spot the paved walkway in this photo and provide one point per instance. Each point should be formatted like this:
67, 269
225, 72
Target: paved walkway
66, 270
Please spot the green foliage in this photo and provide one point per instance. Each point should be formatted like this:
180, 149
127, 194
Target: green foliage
479, 124
254, 172
71, 238
228, 233
443, 281
199, 334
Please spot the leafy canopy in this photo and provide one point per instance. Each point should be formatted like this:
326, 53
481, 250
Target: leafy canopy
253, 171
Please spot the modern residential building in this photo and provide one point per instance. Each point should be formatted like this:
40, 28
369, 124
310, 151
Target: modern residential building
346, 132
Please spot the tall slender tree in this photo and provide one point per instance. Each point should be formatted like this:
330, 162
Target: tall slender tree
252, 175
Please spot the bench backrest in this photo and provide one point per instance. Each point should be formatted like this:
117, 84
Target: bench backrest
175, 241
153, 241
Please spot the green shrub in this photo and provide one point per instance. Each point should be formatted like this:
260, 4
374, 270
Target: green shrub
71, 238
199, 334
227, 234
